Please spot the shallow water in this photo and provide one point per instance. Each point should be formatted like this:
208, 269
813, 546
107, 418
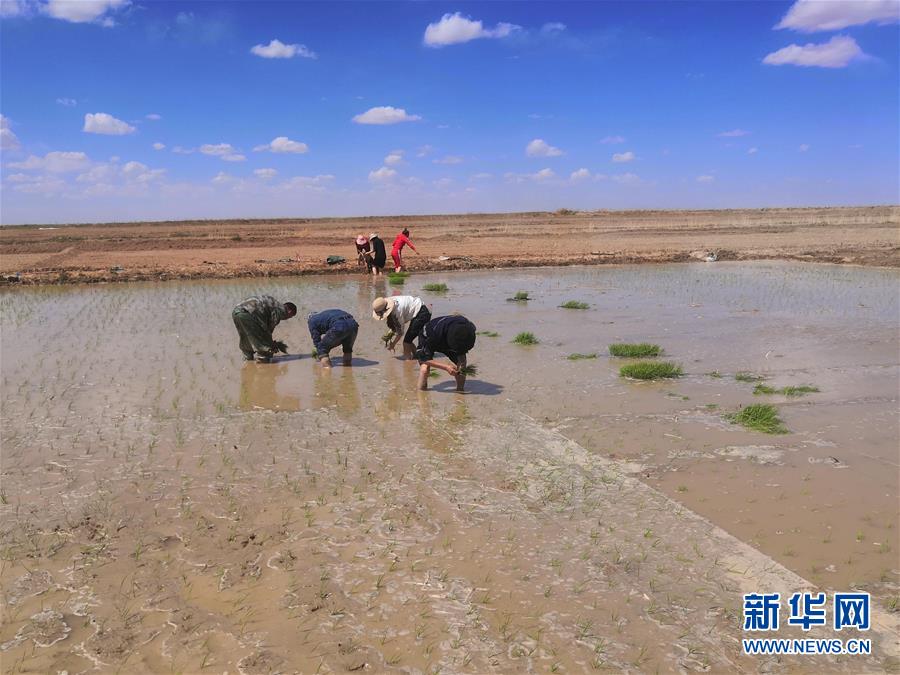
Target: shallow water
130, 420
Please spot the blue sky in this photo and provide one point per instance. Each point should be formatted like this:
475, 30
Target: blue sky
118, 110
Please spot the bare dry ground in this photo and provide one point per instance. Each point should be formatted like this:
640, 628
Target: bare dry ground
239, 248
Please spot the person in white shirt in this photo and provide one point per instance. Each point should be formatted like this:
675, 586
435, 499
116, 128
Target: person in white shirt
400, 311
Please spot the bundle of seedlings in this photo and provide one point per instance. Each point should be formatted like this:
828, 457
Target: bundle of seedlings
575, 304
759, 417
280, 347
650, 370
525, 338
469, 369
634, 350
521, 296
435, 288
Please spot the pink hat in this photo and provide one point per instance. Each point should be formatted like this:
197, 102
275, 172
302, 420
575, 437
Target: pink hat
361, 240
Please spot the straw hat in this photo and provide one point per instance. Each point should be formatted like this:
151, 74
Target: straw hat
382, 308
361, 240
372, 235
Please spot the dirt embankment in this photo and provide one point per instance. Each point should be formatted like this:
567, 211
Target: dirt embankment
240, 248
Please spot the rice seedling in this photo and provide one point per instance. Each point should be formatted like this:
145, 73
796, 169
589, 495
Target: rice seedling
396, 279
785, 391
634, 350
521, 296
387, 337
748, 377
650, 370
435, 288
525, 338
581, 357
575, 304
759, 417
488, 333
469, 369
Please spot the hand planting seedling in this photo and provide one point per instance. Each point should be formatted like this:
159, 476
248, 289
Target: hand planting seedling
521, 296
525, 338
575, 304
469, 369
281, 347
634, 350
759, 417
650, 370
387, 337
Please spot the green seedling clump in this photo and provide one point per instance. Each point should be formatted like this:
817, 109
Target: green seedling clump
759, 417
575, 304
526, 338
785, 391
631, 350
397, 279
470, 369
435, 288
521, 296
580, 357
650, 370
387, 337
488, 333
748, 377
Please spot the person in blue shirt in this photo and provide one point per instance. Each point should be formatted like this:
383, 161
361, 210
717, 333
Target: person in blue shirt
330, 328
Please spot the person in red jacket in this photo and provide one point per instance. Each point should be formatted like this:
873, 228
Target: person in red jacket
401, 241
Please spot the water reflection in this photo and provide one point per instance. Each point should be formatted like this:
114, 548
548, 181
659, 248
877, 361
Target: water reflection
259, 388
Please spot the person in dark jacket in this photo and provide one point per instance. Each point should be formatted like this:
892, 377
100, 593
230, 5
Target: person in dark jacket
330, 328
255, 319
379, 255
453, 336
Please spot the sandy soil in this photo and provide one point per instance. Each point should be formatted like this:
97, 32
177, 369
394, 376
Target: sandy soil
239, 248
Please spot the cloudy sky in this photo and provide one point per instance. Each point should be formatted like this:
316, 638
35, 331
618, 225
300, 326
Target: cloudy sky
132, 109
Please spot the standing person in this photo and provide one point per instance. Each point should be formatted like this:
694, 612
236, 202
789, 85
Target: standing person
255, 319
397, 249
399, 311
363, 250
379, 257
450, 335
330, 328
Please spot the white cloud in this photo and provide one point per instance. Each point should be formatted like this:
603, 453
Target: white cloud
265, 174
627, 179
283, 144
46, 185
159, 146
103, 123
803, 147
11, 8
613, 140
221, 178
579, 175
153, 116
553, 28
808, 16
836, 53
540, 148
543, 174
83, 11
443, 182
455, 29
705, 178
54, 162
395, 158
382, 175
8, 140
752, 151
449, 159
384, 114
178, 150
734, 133
68, 102
277, 49
424, 151
482, 176
222, 150
316, 183
623, 157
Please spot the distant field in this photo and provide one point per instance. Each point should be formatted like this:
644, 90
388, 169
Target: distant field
235, 248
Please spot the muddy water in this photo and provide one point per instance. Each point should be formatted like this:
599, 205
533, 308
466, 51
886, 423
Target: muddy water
168, 507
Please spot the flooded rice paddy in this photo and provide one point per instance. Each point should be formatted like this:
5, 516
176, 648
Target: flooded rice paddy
167, 507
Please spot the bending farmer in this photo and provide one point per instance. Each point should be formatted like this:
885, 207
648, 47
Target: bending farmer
450, 335
255, 319
330, 328
399, 311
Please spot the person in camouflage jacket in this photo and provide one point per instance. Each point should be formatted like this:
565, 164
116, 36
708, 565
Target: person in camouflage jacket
255, 319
